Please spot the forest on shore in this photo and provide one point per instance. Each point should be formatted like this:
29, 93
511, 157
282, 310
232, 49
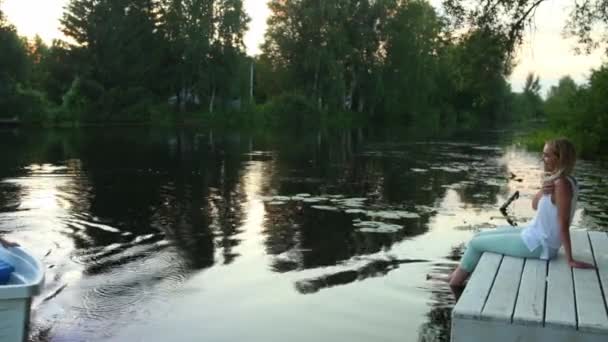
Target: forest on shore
345, 63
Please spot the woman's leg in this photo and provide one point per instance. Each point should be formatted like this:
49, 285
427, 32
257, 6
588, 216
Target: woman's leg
498, 230
459, 276
507, 243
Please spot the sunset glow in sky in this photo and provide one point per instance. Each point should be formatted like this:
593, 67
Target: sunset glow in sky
545, 52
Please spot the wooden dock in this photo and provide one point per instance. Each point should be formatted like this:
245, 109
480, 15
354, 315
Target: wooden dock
512, 299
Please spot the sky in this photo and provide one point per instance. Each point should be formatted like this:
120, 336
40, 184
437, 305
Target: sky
545, 52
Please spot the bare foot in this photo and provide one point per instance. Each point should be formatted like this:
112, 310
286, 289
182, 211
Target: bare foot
458, 277
438, 277
457, 291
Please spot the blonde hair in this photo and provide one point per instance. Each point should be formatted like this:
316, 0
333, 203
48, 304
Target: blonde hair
566, 157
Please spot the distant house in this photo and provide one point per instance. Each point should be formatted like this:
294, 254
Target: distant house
187, 97
9, 121
235, 104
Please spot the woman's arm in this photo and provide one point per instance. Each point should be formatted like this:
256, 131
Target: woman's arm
563, 201
536, 198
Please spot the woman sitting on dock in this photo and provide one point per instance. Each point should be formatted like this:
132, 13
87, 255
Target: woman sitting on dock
547, 232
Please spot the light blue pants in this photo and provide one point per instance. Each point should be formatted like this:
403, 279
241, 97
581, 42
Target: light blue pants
506, 240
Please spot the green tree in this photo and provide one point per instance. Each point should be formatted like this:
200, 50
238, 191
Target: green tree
413, 42
532, 85
228, 75
2, 19
395, 60
188, 30
591, 119
118, 47
13, 68
532, 97
38, 53
478, 65
293, 28
343, 70
56, 70
205, 39
581, 112
560, 104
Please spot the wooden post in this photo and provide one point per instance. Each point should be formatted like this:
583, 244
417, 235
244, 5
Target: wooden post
251, 82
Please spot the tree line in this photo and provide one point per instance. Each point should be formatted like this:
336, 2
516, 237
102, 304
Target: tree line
123, 60
367, 61
579, 111
385, 61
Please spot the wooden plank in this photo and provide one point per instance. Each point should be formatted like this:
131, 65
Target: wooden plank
476, 292
501, 301
560, 311
599, 242
590, 307
470, 330
530, 305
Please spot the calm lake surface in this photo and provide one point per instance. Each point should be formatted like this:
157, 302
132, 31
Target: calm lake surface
197, 235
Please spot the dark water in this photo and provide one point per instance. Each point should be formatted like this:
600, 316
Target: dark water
157, 235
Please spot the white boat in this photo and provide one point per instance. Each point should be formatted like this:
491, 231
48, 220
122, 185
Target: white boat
25, 282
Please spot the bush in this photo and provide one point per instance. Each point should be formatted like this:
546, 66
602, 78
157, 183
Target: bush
32, 105
79, 102
586, 142
162, 114
131, 104
290, 110
581, 113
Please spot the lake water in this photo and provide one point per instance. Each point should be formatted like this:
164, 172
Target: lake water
196, 235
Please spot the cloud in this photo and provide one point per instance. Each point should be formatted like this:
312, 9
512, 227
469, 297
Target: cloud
35, 17
548, 54
258, 11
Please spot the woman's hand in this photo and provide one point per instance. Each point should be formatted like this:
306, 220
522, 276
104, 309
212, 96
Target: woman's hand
580, 264
548, 188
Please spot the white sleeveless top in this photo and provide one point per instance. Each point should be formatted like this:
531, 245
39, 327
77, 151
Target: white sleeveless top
543, 230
